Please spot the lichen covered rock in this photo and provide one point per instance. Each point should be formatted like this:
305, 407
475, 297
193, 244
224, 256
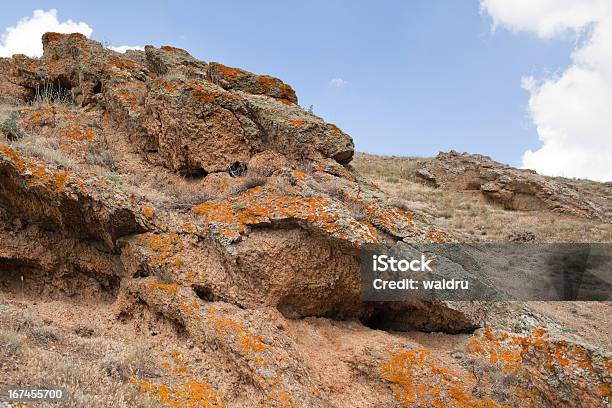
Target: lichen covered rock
200, 204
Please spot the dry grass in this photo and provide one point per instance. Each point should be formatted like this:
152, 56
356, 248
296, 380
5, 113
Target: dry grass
46, 149
51, 94
246, 183
11, 342
389, 168
470, 215
74, 364
5, 111
85, 381
165, 190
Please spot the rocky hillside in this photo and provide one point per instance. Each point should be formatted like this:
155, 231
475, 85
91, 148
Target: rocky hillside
481, 200
182, 233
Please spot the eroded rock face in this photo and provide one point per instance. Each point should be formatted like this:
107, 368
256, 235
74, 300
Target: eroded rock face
260, 272
182, 113
515, 189
57, 199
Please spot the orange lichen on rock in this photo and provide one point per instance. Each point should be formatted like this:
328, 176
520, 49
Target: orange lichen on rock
298, 122
170, 288
224, 327
37, 173
230, 217
127, 97
267, 82
401, 223
192, 310
123, 64
75, 132
299, 175
392, 220
170, 48
229, 72
184, 389
148, 211
416, 379
272, 388
51, 37
165, 247
536, 357
13, 157
203, 94
334, 128
271, 84
512, 351
44, 115
60, 179
285, 101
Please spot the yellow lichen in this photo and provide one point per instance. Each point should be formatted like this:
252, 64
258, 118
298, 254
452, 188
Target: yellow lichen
416, 379
203, 94
165, 247
184, 389
170, 48
36, 173
225, 327
258, 205
123, 64
170, 288
148, 211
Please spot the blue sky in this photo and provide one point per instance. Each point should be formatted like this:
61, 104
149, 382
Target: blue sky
421, 76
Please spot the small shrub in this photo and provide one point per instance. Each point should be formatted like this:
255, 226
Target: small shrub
113, 177
99, 157
521, 236
238, 206
10, 127
11, 341
44, 334
137, 362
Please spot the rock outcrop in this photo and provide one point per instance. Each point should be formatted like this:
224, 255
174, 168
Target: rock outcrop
259, 256
192, 117
514, 189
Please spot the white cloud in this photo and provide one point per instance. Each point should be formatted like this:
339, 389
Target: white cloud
571, 110
124, 48
338, 82
25, 37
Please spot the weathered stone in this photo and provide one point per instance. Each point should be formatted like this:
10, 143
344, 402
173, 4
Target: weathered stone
514, 189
